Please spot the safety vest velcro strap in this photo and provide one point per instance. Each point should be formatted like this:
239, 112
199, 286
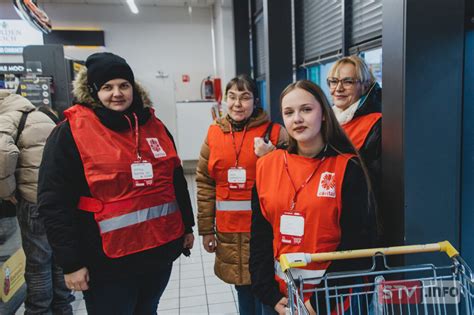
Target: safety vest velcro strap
233, 205
138, 216
304, 273
90, 204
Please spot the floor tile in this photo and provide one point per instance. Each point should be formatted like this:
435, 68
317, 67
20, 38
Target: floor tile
170, 294
222, 309
168, 304
192, 267
173, 284
194, 282
195, 310
170, 312
192, 301
218, 288
191, 274
217, 298
192, 291
213, 280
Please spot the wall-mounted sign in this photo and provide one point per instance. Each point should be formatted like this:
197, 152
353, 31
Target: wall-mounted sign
16, 34
14, 68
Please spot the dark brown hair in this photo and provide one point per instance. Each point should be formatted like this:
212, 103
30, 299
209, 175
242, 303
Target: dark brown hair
244, 82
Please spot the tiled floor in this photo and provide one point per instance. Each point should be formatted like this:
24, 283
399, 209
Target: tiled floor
193, 287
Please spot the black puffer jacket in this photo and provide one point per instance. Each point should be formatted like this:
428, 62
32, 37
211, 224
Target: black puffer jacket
74, 234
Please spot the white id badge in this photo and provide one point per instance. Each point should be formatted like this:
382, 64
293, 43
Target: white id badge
237, 177
142, 173
292, 228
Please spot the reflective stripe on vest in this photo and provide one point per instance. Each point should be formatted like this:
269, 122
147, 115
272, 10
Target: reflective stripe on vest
138, 216
233, 205
304, 273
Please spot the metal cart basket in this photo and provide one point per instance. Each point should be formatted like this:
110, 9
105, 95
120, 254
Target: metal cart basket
417, 289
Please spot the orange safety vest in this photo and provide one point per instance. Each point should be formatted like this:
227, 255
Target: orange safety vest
319, 201
359, 128
130, 219
233, 207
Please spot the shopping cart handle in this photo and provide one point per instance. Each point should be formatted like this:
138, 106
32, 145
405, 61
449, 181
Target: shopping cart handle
294, 260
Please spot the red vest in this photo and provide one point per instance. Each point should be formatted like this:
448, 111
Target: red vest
359, 128
130, 219
319, 202
233, 207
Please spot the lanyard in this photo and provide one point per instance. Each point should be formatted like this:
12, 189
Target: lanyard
137, 136
237, 153
297, 191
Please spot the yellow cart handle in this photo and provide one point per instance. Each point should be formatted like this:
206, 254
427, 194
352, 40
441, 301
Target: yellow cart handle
295, 260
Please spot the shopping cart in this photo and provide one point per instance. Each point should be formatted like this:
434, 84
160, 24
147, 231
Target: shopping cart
384, 290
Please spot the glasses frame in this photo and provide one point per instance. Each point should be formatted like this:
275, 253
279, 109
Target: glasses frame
240, 99
346, 85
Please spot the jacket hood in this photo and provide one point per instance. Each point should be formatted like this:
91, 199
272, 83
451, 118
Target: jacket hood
83, 95
371, 101
258, 119
12, 102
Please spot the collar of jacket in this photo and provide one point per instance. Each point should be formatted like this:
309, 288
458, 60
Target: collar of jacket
258, 118
371, 102
327, 151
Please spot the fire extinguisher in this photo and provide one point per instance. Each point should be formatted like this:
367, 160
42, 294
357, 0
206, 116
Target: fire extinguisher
208, 88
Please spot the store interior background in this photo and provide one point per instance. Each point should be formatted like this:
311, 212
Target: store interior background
161, 43
427, 82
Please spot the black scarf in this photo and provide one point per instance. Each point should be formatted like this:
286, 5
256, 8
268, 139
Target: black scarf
116, 120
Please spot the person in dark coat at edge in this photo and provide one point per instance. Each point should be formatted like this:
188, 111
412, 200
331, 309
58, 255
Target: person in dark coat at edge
113, 194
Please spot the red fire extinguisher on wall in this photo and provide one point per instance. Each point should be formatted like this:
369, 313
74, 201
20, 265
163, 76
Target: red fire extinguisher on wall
211, 89
208, 87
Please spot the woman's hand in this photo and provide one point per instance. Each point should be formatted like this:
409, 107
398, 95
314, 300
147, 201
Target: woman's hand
12, 199
261, 148
209, 242
77, 281
188, 240
280, 307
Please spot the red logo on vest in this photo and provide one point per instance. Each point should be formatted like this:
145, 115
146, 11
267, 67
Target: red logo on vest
156, 147
327, 185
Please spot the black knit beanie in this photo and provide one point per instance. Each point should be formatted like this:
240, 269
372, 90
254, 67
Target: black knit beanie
103, 67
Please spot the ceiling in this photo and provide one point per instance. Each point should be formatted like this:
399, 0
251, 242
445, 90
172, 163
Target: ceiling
174, 3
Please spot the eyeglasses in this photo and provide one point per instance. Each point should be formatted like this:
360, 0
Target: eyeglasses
243, 99
346, 82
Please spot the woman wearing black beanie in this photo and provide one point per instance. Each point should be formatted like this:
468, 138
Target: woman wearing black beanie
113, 194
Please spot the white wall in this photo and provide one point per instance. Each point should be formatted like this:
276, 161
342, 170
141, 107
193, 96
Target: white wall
224, 33
157, 39
166, 39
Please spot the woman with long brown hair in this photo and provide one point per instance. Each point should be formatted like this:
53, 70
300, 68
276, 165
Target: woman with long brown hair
312, 197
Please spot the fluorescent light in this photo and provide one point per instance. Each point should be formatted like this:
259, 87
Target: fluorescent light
132, 6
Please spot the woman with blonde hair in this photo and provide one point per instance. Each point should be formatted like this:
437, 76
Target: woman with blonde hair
357, 100
312, 197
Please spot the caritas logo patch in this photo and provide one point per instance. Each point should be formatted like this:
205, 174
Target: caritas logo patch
327, 185
156, 147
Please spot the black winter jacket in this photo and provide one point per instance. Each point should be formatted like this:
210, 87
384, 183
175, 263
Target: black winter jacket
371, 150
74, 234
